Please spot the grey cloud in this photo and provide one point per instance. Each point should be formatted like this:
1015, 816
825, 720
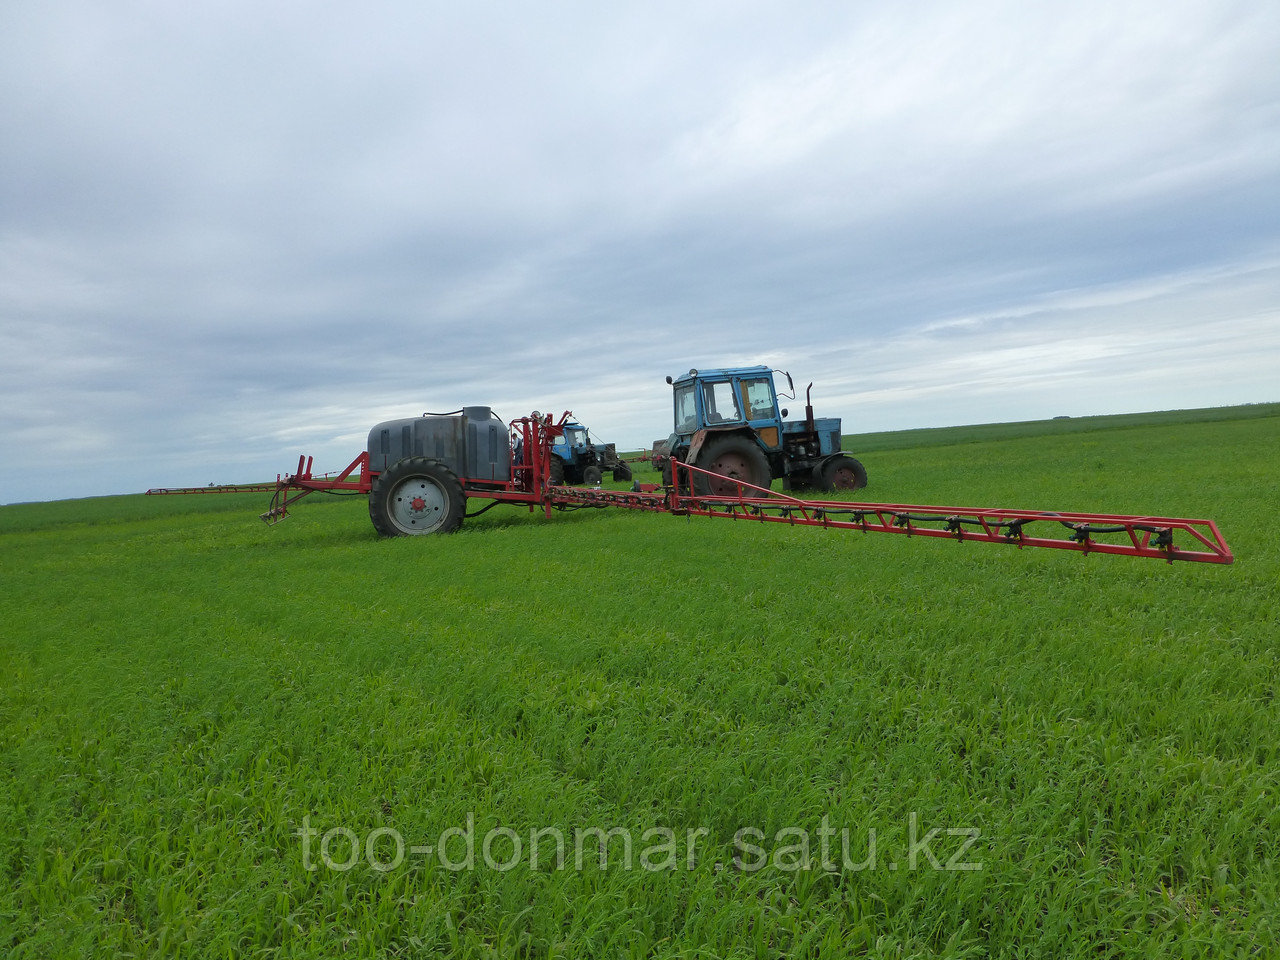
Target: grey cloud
226, 232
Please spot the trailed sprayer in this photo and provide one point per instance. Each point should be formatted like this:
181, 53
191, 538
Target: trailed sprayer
423, 474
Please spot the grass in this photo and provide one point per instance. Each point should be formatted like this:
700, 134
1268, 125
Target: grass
188, 692
1059, 426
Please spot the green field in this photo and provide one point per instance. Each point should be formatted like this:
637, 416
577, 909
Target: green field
221, 739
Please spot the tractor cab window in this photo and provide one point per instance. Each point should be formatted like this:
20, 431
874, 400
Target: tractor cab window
574, 436
758, 396
686, 414
720, 402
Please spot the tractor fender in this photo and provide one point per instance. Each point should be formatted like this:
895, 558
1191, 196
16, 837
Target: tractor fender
695, 446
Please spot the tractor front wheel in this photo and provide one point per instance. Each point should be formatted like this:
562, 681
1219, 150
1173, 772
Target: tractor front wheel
592, 476
734, 458
842, 473
416, 496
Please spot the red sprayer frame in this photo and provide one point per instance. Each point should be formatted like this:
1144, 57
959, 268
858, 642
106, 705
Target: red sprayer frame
530, 473
1146, 536
1162, 538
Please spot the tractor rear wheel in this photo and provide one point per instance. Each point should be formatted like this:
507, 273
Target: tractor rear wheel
591, 476
735, 458
557, 471
842, 473
416, 496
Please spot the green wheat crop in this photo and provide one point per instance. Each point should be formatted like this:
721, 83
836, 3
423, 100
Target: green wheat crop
200, 714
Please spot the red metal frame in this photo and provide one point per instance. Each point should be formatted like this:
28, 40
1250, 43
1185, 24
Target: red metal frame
530, 475
213, 488
1163, 538
1147, 536
306, 484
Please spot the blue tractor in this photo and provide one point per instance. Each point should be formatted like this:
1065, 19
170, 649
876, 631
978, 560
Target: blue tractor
576, 458
727, 421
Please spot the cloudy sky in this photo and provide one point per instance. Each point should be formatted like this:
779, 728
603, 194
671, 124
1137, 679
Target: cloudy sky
232, 233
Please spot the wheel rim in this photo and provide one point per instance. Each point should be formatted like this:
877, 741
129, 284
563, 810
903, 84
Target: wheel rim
730, 465
417, 505
845, 478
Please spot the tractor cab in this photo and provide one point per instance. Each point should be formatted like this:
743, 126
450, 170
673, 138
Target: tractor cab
727, 422
576, 458
741, 397
575, 439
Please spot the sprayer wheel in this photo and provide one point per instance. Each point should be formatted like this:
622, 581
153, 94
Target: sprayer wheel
416, 496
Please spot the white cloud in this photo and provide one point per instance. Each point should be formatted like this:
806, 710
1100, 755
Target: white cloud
1208, 338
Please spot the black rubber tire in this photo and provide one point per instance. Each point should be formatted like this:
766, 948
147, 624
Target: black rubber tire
737, 457
842, 473
416, 496
557, 471
622, 473
591, 476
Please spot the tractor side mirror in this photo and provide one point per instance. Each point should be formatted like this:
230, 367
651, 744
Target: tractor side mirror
784, 411
790, 385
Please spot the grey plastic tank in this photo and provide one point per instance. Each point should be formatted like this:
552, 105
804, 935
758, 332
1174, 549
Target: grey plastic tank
473, 444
